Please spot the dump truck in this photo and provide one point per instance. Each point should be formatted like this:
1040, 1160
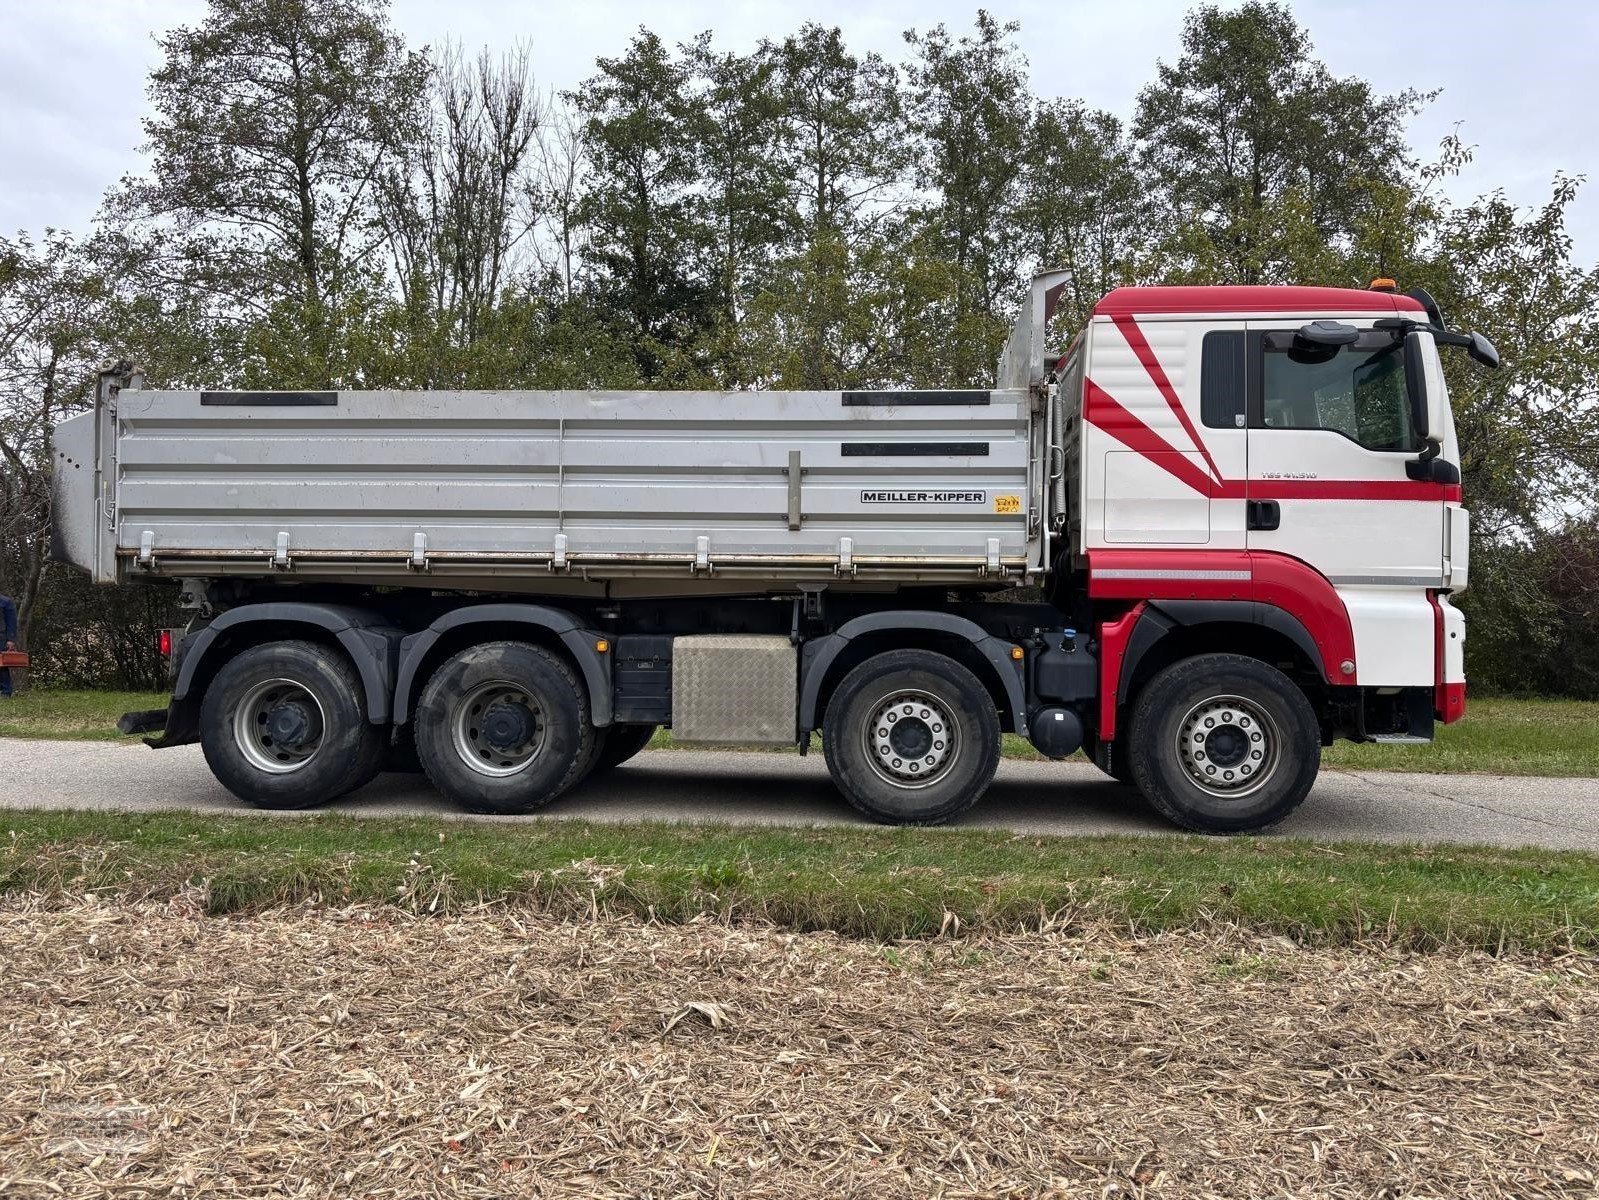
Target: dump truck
1218, 530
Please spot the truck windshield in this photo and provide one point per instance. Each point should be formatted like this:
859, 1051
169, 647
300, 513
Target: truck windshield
1358, 390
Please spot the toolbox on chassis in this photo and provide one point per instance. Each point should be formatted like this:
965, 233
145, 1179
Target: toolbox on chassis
1235, 511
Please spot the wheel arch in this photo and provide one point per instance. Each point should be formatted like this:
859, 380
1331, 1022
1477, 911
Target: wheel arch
1170, 630
364, 637
553, 629
826, 660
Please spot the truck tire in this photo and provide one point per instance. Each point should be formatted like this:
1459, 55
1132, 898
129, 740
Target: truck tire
624, 742
911, 738
282, 726
503, 728
1221, 743
591, 757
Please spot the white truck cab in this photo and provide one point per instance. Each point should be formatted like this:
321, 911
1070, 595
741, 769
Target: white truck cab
1293, 446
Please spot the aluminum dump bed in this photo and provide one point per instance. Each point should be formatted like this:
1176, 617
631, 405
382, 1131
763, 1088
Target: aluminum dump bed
516, 489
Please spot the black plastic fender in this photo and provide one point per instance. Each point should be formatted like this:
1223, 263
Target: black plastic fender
367, 637
1162, 616
577, 639
820, 653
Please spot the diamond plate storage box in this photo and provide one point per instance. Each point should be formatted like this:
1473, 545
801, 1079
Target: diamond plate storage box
734, 689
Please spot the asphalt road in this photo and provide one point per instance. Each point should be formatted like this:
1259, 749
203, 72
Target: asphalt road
784, 789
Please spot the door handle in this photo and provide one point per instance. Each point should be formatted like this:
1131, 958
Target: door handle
1262, 514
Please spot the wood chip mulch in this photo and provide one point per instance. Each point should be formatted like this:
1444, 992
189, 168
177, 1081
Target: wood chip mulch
149, 1050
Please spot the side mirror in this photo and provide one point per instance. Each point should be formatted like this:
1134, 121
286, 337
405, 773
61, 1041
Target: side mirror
1328, 334
1424, 374
1483, 351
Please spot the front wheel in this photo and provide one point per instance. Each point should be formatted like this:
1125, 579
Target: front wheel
911, 738
1221, 743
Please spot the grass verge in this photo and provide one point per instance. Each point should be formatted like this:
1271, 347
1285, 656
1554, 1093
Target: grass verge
1498, 737
1501, 736
72, 716
871, 883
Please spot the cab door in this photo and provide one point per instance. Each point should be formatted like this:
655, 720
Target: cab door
1331, 429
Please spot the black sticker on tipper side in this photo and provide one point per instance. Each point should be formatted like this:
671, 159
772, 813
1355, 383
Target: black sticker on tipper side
270, 399
908, 398
913, 449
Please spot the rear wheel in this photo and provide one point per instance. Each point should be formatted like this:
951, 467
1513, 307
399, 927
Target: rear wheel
282, 726
911, 738
624, 742
1221, 743
504, 728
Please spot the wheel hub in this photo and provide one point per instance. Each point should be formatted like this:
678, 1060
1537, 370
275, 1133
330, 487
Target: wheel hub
278, 726
498, 728
1228, 745
291, 724
911, 739
506, 726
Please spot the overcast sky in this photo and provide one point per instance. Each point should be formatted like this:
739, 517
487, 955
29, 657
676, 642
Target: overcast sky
1521, 79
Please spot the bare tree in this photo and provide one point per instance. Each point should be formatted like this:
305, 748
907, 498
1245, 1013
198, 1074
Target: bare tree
556, 193
455, 208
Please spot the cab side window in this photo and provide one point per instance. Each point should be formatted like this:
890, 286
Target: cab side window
1360, 391
1221, 379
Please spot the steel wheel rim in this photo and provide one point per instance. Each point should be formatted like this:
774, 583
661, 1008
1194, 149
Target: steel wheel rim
262, 715
476, 742
1229, 746
912, 739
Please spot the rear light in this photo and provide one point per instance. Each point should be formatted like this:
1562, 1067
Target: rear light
164, 643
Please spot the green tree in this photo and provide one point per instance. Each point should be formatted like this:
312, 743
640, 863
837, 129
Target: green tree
273, 120
1083, 206
644, 209
748, 212
1256, 151
51, 298
968, 104
845, 152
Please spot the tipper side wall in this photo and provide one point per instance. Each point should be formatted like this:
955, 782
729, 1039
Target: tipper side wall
901, 486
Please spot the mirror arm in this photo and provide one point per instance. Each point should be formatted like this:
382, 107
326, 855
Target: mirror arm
1420, 467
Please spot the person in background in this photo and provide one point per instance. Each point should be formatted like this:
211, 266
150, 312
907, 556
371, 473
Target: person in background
8, 615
